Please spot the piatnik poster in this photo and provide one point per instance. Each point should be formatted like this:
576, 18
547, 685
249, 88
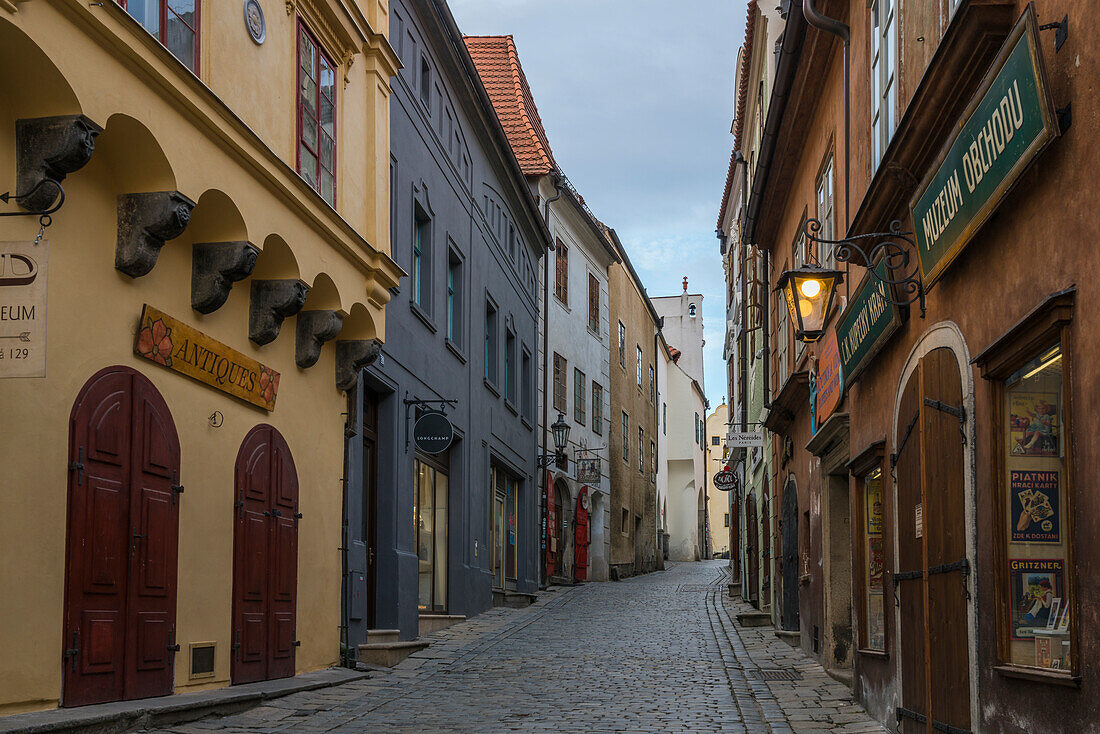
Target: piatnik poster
1033, 424
1035, 584
1035, 506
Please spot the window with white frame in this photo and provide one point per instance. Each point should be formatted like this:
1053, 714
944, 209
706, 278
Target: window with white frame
884, 82
825, 211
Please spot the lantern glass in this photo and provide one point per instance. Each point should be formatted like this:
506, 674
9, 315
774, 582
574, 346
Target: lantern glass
560, 430
809, 293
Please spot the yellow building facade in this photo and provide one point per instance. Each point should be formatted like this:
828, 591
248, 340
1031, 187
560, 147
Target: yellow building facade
719, 512
176, 479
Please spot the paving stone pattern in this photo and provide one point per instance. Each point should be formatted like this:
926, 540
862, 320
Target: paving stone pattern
655, 653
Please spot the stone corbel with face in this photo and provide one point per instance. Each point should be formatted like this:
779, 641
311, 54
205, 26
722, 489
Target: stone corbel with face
145, 222
351, 357
272, 301
313, 330
48, 149
215, 267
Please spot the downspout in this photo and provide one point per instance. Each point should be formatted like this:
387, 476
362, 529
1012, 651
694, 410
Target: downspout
843, 32
543, 507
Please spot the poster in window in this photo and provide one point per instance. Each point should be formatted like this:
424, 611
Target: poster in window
1033, 424
876, 561
1035, 512
874, 507
1035, 584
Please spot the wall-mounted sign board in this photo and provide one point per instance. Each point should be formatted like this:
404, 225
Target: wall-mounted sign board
830, 378
725, 481
739, 440
433, 432
23, 309
866, 323
588, 470
1009, 121
186, 350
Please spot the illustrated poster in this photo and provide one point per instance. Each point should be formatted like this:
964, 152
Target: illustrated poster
1035, 584
876, 561
1035, 511
874, 506
1033, 424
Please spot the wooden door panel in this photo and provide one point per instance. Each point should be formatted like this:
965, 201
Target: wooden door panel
157, 456
104, 538
156, 551
253, 581
253, 639
152, 630
910, 589
108, 429
101, 642
286, 560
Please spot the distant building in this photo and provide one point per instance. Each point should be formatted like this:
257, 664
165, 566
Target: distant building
719, 503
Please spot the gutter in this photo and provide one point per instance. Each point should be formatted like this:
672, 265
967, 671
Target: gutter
544, 514
843, 32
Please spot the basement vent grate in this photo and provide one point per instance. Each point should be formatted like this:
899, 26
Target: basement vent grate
202, 660
774, 674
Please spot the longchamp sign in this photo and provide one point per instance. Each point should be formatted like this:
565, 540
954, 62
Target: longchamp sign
433, 432
1008, 122
184, 349
867, 323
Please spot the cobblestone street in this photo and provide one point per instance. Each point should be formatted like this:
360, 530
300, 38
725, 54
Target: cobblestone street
656, 653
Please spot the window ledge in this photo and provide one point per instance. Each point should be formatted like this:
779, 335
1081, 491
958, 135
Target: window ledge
526, 423
595, 334
879, 654
421, 314
1040, 675
492, 388
456, 351
511, 406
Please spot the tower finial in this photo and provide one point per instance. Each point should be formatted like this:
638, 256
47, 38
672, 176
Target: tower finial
685, 284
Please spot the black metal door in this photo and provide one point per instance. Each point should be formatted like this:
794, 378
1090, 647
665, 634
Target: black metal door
789, 616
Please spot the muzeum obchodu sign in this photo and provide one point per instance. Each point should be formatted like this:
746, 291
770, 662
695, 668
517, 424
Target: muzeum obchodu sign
1009, 121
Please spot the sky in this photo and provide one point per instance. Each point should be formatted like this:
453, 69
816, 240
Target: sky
637, 100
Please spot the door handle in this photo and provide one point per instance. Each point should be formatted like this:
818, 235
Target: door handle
134, 542
73, 651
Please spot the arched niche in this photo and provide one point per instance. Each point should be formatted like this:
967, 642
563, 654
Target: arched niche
323, 295
32, 86
359, 324
129, 159
276, 261
216, 218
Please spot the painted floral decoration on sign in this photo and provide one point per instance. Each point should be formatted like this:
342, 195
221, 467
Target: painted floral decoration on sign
155, 342
269, 384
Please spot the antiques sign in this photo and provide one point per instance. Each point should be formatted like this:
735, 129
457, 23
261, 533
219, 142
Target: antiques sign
830, 380
588, 470
1008, 122
184, 349
867, 323
23, 309
433, 432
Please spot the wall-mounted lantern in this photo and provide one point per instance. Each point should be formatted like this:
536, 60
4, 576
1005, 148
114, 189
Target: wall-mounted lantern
560, 431
809, 292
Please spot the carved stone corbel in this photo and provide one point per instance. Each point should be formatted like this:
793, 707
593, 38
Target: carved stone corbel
50, 148
271, 302
351, 357
215, 267
314, 329
145, 222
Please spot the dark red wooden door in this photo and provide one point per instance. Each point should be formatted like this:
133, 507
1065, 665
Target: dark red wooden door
580, 537
123, 530
751, 550
265, 558
553, 528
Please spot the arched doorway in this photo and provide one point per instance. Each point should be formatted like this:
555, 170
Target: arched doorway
752, 536
123, 531
930, 522
265, 558
789, 522
558, 526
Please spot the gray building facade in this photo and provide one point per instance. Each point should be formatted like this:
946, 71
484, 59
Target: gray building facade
452, 532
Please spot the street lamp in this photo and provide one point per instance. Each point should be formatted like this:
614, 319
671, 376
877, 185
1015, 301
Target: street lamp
809, 292
560, 431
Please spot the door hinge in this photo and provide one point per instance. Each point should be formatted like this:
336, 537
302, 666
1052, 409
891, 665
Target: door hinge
74, 651
236, 641
173, 646
956, 410
296, 643
238, 506
78, 467
177, 488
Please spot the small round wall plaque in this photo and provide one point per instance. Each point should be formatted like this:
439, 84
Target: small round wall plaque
433, 433
254, 20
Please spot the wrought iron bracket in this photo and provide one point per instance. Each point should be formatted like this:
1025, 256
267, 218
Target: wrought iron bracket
956, 410
898, 250
437, 404
1061, 31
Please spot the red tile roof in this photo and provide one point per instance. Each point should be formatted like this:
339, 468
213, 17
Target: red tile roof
498, 66
742, 95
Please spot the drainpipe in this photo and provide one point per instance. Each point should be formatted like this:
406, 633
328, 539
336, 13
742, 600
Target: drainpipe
544, 540
841, 31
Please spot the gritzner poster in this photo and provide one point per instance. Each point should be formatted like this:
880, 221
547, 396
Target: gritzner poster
23, 309
1035, 511
1035, 585
1033, 424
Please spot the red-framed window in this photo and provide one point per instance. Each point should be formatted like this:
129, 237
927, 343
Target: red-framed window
175, 23
316, 116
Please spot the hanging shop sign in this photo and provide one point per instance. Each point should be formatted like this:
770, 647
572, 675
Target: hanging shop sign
743, 439
588, 470
830, 378
1009, 121
184, 349
867, 323
433, 432
725, 481
23, 309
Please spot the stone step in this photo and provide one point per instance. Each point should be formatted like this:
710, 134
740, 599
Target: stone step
791, 637
734, 589
754, 619
430, 623
383, 635
513, 599
389, 654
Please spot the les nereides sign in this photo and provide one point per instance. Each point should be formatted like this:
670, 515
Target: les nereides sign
725, 481
433, 433
184, 349
866, 324
1006, 125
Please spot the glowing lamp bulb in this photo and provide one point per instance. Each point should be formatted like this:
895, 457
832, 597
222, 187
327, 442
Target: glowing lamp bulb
810, 288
